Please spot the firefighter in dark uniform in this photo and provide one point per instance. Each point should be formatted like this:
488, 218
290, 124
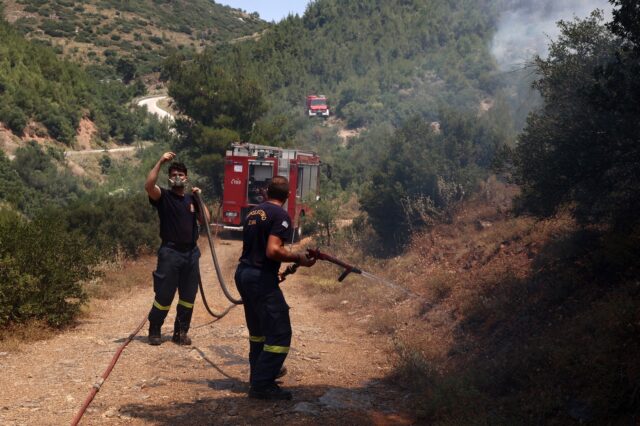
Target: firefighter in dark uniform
266, 228
178, 256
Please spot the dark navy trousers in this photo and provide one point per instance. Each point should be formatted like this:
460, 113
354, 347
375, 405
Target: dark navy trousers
267, 316
176, 270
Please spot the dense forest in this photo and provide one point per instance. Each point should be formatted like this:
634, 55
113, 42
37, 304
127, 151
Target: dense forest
384, 66
375, 60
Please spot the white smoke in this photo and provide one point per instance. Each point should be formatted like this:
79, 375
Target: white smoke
527, 26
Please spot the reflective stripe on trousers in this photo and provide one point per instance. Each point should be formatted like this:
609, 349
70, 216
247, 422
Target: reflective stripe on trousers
175, 271
267, 316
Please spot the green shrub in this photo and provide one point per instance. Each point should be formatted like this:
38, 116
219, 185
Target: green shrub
59, 127
121, 222
156, 40
44, 11
58, 29
14, 119
41, 270
39, 173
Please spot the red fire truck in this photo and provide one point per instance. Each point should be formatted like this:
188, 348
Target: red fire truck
317, 106
249, 168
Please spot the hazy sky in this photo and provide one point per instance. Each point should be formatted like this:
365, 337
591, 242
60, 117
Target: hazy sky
269, 10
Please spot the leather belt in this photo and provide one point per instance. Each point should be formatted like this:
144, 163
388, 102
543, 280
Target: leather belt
181, 247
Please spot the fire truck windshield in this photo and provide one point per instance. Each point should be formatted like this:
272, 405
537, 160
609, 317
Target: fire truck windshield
259, 177
318, 102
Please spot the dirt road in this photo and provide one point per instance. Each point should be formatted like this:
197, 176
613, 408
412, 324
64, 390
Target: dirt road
152, 106
336, 369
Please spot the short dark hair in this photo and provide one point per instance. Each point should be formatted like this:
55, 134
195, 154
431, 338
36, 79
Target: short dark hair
176, 165
278, 189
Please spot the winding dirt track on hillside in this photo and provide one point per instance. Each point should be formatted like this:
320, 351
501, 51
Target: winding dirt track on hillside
336, 369
152, 106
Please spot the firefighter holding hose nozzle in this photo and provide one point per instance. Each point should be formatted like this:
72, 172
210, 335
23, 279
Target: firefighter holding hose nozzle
266, 228
178, 255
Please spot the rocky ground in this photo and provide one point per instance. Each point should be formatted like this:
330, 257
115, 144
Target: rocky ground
335, 368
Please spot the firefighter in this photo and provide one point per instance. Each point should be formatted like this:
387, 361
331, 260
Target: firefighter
178, 256
266, 228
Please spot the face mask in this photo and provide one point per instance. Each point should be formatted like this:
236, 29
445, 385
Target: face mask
177, 182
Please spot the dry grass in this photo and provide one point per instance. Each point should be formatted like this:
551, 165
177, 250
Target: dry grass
14, 336
515, 321
120, 276
384, 322
350, 208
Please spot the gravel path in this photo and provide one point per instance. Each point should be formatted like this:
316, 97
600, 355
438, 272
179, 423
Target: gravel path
336, 370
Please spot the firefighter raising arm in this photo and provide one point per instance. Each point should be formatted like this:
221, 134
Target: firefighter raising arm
178, 256
177, 180
150, 185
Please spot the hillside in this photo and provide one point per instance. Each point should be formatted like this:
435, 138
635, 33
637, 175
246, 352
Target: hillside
100, 32
44, 97
379, 60
382, 64
510, 320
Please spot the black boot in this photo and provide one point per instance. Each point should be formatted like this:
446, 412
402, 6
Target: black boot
270, 392
283, 372
180, 338
155, 335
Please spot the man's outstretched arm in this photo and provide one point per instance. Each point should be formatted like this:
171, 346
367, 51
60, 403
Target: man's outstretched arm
150, 185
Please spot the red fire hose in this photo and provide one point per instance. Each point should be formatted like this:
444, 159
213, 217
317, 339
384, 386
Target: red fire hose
98, 384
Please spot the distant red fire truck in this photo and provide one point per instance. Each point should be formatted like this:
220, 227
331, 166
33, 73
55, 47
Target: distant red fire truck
249, 168
317, 106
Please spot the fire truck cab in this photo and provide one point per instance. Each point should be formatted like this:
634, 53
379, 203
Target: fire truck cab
317, 106
249, 168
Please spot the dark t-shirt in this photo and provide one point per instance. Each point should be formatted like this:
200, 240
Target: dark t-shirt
263, 220
178, 217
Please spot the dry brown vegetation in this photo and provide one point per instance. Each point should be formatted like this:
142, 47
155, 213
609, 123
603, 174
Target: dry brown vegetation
511, 319
14, 336
119, 276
